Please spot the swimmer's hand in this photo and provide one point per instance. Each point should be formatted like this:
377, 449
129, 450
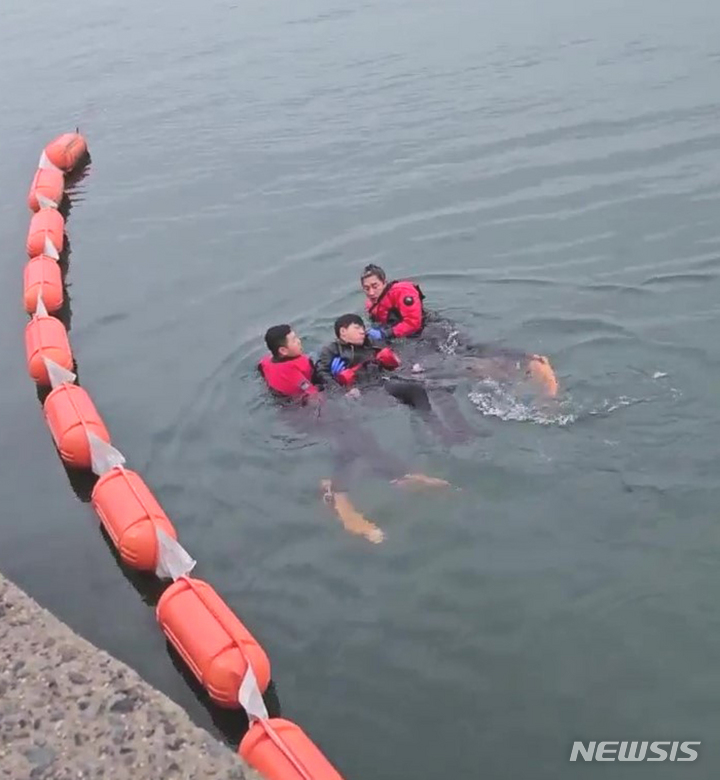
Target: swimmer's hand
353, 393
417, 368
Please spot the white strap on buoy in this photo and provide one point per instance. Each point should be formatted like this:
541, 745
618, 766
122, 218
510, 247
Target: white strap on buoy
46, 203
173, 560
50, 250
40, 310
250, 697
57, 374
45, 164
103, 456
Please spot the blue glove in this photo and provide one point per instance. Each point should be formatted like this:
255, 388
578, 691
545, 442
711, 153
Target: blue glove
337, 365
376, 334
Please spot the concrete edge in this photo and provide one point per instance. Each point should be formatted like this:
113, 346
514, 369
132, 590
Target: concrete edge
70, 710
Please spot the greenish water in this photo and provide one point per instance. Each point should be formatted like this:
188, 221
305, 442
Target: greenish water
548, 173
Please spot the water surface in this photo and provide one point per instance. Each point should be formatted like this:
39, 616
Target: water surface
548, 173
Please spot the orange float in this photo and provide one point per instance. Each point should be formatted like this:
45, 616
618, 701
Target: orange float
42, 277
280, 750
46, 337
131, 514
71, 415
47, 183
66, 151
46, 224
211, 640
221, 652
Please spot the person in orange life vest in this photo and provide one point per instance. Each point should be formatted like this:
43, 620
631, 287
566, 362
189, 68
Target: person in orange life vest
290, 374
395, 308
287, 370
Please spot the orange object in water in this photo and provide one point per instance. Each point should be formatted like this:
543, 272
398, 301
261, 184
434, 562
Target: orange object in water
42, 277
280, 750
211, 640
71, 415
543, 375
48, 183
66, 151
45, 224
130, 514
46, 336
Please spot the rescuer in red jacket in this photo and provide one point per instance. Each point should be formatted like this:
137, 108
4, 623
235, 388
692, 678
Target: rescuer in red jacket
287, 370
395, 308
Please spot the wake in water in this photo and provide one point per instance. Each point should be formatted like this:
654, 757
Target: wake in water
510, 395
501, 378
494, 399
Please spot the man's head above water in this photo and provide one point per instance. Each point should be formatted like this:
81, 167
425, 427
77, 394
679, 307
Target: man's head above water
350, 329
374, 281
283, 342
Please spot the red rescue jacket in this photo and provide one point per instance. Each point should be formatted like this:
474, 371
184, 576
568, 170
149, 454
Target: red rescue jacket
400, 306
292, 378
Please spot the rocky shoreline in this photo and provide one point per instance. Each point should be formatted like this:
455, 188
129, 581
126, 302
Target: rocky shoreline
69, 710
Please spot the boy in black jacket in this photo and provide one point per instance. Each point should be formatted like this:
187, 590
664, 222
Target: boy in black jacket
354, 359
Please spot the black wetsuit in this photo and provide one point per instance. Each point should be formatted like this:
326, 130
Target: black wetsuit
330, 419
447, 355
404, 390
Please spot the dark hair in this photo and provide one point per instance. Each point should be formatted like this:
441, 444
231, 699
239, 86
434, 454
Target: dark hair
373, 270
276, 337
347, 320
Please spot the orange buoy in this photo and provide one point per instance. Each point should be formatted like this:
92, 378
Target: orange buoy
130, 514
66, 151
211, 640
47, 183
70, 415
46, 337
45, 224
543, 375
42, 277
280, 750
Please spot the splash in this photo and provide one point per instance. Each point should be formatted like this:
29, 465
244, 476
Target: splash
450, 345
495, 400
608, 405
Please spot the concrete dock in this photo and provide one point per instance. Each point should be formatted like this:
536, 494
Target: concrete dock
69, 710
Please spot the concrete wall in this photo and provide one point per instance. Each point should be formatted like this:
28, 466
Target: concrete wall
69, 710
